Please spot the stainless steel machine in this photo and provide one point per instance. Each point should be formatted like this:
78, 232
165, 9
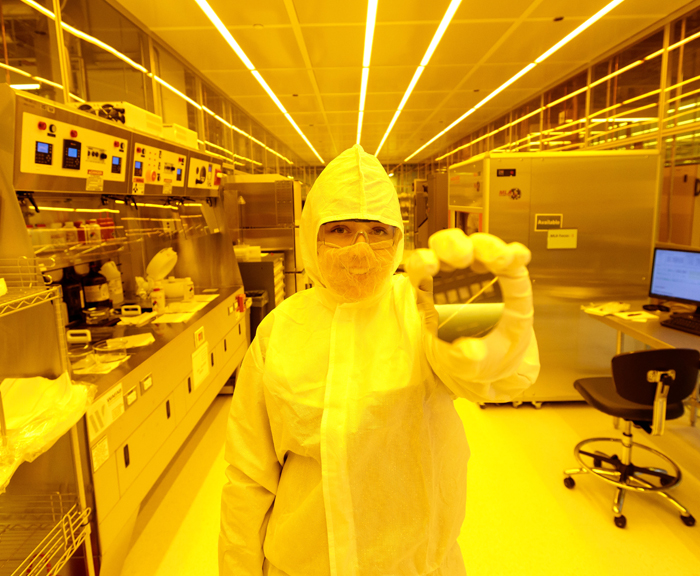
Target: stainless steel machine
589, 219
77, 190
265, 210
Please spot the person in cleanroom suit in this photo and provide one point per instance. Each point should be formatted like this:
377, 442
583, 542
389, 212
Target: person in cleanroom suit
346, 456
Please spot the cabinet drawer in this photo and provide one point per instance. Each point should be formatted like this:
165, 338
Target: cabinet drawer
134, 454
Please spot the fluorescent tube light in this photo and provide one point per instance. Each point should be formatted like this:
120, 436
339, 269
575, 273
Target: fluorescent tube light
592, 20
444, 23
446, 19
525, 70
366, 57
25, 86
213, 16
204, 5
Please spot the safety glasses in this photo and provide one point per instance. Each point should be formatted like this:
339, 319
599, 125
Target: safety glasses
346, 233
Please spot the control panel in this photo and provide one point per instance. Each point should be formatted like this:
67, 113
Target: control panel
158, 167
203, 174
55, 148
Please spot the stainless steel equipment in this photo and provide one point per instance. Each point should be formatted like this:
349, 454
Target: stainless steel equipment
57, 166
265, 210
589, 220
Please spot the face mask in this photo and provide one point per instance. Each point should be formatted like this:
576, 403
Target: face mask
355, 272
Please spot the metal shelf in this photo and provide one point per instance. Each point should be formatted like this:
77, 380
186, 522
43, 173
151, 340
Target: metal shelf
39, 533
18, 299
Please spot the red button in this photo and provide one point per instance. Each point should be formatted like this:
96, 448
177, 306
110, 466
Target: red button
42, 125
138, 150
116, 143
73, 133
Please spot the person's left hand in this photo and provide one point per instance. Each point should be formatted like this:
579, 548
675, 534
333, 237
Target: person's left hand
452, 248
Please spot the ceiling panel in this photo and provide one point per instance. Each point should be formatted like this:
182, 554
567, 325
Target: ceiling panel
335, 46
531, 40
404, 43
486, 44
339, 80
383, 101
285, 82
341, 102
467, 43
477, 9
441, 77
269, 48
324, 12
206, 47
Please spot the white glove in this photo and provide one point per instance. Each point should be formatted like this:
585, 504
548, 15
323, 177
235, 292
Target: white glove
452, 248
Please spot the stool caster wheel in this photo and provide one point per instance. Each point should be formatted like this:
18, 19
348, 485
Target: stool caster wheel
569, 483
688, 520
667, 481
620, 521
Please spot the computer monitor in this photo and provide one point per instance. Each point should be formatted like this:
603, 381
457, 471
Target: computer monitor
675, 275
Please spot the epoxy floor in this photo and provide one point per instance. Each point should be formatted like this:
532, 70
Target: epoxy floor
520, 519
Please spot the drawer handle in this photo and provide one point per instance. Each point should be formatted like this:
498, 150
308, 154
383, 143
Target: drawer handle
225, 348
239, 329
167, 408
127, 460
212, 358
189, 385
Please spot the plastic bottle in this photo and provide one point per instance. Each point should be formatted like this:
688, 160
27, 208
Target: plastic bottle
80, 227
114, 280
73, 295
106, 228
57, 237
157, 298
96, 288
93, 233
71, 233
188, 292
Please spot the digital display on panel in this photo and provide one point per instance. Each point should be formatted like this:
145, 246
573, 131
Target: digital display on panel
72, 152
116, 160
209, 167
138, 165
42, 147
179, 171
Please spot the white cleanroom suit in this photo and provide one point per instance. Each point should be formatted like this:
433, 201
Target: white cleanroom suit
346, 454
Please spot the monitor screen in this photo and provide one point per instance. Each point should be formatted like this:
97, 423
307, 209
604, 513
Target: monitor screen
42, 147
675, 275
116, 160
73, 152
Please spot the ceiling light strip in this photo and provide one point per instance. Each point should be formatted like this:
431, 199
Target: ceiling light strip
597, 16
214, 18
129, 61
444, 23
366, 58
247, 159
592, 20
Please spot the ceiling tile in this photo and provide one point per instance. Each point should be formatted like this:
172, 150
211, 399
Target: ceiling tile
530, 40
389, 78
383, 101
324, 12
467, 43
477, 9
236, 84
425, 100
286, 82
400, 44
269, 48
205, 48
341, 102
267, 13
442, 77
339, 80
335, 47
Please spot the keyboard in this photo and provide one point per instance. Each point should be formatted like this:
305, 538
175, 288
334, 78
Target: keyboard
684, 323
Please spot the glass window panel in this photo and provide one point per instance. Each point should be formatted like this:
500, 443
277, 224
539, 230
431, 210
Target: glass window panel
97, 75
30, 40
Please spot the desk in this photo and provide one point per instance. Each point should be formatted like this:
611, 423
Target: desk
655, 335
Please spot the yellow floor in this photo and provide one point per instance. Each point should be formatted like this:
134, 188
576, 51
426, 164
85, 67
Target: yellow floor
520, 519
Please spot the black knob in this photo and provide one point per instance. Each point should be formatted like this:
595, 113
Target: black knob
103, 156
